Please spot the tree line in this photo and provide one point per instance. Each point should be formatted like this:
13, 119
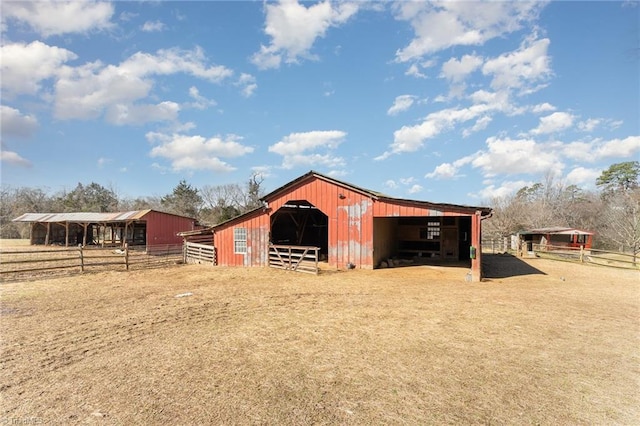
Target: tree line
612, 211
211, 204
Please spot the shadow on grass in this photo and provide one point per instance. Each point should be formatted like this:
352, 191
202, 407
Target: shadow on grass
506, 265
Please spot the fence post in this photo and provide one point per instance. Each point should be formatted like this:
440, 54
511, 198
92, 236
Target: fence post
81, 258
316, 256
126, 256
581, 254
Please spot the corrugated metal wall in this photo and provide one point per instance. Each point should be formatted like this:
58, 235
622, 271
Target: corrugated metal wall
350, 220
162, 228
257, 242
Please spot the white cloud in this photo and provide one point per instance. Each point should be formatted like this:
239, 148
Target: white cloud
456, 70
200, 102
522, 69
620, 148
556, 122
414, 71
247, 83
401, 103
582, 176
391, 184
543, 107
297, 149
443, 171
25, 66
152, 26
139, 114
14, 124
450, 170
60, 17
102, 161
172, 61
505, 189
13, 158
262, 171
92, 89
127, 16
407, 181
411, 138
578, 150
294, 28
480, 124
415, 189
589, 124
515, 156
440, 25
197, 152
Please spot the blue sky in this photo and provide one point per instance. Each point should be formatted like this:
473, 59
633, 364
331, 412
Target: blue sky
454, 102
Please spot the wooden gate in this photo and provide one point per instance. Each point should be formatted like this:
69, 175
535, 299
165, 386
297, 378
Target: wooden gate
199, 253
294, 258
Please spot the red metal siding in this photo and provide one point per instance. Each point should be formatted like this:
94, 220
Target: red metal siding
350, 220
390, 209
257, 242
350, 230
162, 228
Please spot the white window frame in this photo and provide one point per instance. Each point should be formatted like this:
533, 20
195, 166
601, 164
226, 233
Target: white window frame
240, 240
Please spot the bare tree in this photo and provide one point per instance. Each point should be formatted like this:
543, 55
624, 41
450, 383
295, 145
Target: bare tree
221, 202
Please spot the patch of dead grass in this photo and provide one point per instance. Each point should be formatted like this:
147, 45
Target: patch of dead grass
412, 345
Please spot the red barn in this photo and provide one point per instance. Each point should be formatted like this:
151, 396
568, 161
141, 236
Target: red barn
352, 227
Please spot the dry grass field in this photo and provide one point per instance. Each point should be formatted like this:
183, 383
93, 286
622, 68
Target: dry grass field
538, 342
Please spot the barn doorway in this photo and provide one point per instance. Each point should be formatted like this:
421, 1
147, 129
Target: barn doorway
419, 240
300, 223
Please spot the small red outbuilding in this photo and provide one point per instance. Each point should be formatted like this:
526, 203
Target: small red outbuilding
352, 227
150, 228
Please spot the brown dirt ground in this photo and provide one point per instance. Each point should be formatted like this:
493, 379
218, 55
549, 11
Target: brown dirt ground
538, 342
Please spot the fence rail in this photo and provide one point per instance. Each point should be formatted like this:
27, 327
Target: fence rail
294, 258
199, 253
593, 256
599, 257
32, 263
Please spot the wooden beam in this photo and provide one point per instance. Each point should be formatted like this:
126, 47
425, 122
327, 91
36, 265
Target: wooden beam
84, 234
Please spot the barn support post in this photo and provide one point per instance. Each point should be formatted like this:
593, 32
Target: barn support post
126, 256
46, 238
476, 261
66, 234
84, 234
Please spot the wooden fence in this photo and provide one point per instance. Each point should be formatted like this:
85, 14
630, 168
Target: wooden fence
569, 254
199, 253
592, 256
35, 262
294, 258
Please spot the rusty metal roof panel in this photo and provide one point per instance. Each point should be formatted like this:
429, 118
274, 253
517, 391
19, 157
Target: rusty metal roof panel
82, 217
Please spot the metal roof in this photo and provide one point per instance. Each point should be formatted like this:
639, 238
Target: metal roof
374, 195
82, 217
556, 230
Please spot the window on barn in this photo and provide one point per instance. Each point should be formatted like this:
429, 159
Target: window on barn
431, 232
239, 240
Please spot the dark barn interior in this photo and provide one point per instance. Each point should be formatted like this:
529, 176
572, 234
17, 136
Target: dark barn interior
300, 223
